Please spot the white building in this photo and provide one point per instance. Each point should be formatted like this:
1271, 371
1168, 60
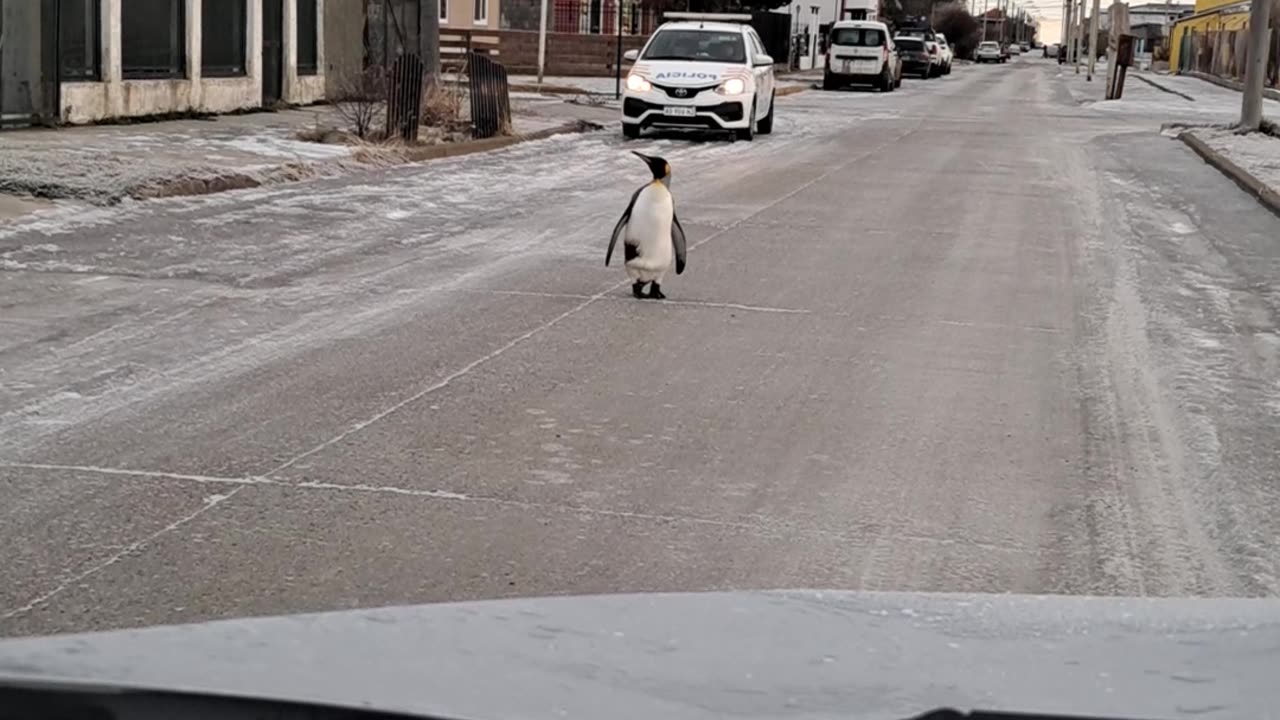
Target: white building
133, 58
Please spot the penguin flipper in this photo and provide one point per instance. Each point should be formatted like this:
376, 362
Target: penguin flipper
621, 227
678, 242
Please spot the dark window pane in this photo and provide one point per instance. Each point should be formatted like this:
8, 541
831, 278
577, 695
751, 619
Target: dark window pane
222, 32
307, 55
857, 37
153, 34
78, 39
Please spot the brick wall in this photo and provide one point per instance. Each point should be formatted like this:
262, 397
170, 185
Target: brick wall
567, 54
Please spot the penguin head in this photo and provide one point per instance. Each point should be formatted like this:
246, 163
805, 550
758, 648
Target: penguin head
660, 168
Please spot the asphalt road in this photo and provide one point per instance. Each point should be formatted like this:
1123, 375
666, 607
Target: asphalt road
970, 336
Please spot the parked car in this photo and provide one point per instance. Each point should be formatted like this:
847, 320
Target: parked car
1010, 50
1024, 47
704, 71
915, 56
861, 52
944, 48
988, 51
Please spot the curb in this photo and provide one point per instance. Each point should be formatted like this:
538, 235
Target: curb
790, 90
1250, 184
548, 89
1158, 86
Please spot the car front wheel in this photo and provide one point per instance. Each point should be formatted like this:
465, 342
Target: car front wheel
765, 126
748, 133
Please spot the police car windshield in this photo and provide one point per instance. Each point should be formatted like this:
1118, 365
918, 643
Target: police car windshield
697, 46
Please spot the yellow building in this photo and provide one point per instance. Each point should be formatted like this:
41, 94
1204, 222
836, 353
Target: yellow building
1212, 40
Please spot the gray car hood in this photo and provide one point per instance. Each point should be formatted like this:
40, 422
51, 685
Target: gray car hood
796, 654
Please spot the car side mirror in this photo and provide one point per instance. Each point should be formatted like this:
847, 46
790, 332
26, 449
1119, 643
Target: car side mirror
631, 55
762, 59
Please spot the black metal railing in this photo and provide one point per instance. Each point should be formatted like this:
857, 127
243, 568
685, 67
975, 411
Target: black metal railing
404, 97
490, 96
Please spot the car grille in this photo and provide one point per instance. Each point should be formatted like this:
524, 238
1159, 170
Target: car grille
728, 111
690, 92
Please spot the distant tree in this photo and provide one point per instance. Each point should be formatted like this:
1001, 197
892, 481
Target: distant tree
961, 29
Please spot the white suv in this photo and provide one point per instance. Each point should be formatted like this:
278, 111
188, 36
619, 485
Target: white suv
944, 48
860, 51
703, 71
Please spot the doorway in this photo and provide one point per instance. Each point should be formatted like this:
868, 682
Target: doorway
28, 62
272, 52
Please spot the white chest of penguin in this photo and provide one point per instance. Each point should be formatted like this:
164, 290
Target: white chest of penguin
649, 228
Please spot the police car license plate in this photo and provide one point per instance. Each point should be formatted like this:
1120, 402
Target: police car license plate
677, 111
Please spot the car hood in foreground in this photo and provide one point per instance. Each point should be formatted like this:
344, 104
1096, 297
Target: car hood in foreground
767, 654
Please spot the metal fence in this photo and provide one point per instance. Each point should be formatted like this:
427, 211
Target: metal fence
1223, 53
404, 97
774, 30
582, 17
490, 96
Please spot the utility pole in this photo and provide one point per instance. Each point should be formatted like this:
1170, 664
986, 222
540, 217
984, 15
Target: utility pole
1256, 69
1093, 39
1066, 27
1079, 31
984, 21
542, 40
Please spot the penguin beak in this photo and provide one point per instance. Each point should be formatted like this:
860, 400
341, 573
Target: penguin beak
642, 156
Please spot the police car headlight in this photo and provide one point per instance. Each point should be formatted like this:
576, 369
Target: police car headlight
732, 86
636, 83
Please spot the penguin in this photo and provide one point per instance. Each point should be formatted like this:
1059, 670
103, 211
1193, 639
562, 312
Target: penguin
652, 238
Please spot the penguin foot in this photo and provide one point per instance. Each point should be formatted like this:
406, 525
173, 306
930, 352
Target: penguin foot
655, 292
637, 289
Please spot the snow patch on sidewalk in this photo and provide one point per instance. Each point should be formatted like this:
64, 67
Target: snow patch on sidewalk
1256, 153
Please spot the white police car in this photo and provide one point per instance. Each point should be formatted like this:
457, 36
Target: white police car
701, 71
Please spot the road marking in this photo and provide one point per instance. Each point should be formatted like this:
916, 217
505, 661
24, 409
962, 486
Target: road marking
787, 528
628, 299
519, 339
209, 503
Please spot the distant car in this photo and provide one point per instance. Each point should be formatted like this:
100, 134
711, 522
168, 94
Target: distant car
944, 47
988, 51
1024, 47
1050, 50
915, 56
703, 71
860, 52
935, 54
1010, 50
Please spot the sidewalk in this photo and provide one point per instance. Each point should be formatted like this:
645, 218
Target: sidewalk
104, 164
1199, 113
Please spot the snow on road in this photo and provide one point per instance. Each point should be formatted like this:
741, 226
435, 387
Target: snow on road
248, 275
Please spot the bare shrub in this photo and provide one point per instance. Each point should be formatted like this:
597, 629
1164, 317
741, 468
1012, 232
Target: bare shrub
442, 105
362, 102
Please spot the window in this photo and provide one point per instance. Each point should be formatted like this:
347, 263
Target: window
222, 43
153, 35
857, 37
78, 33
308, 55
480, 15
444, 11
697, 46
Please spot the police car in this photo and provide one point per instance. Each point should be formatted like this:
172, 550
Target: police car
700, 71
